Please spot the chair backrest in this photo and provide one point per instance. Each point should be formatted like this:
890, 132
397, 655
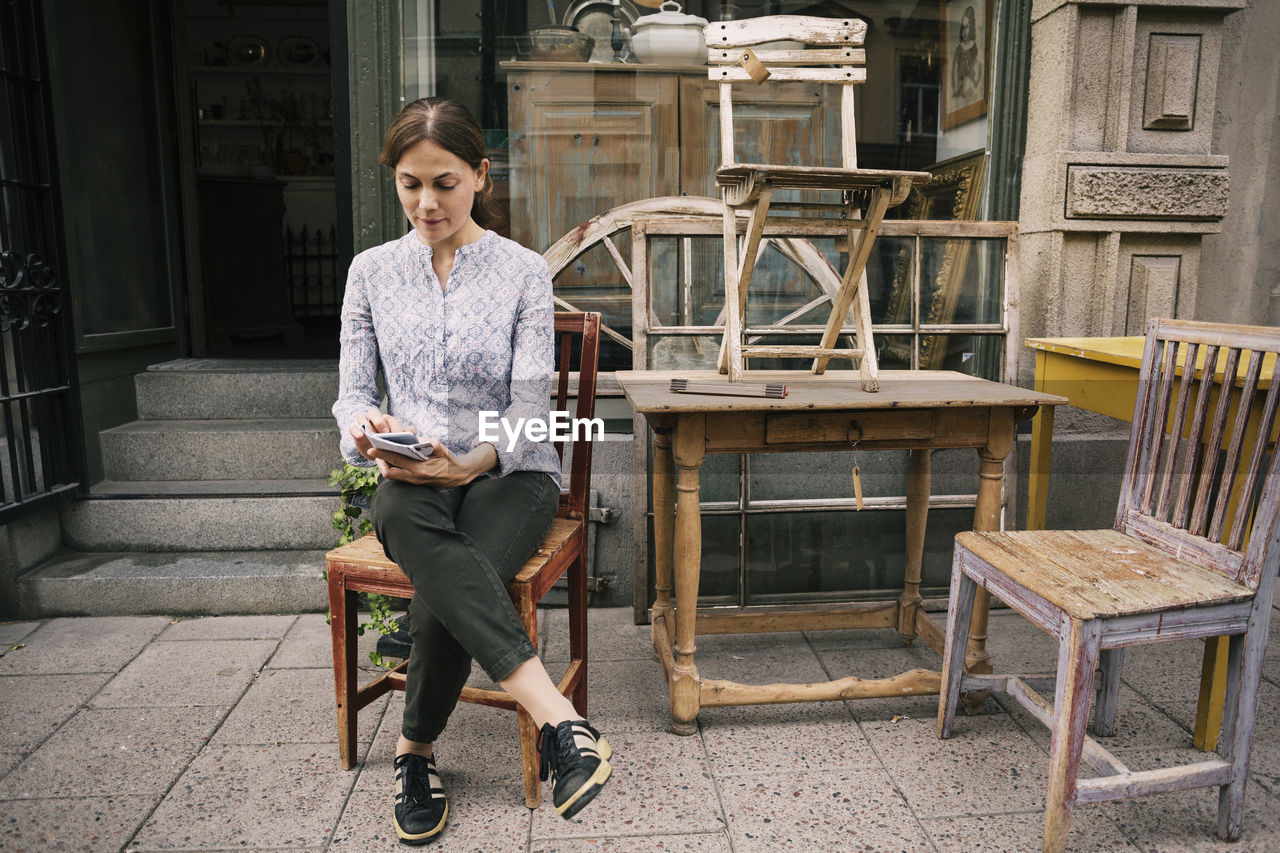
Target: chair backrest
1201, 476
837, 58
586, 327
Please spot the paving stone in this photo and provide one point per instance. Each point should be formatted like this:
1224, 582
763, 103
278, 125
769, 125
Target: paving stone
250, 797
1091, 832
13, 632
789, 746
214, 672
84, 644
1185, 820
479, 820
987, 765
292, 706
1139, 725
33, 706
91, 824
855, 809
1167, 673
704, 842
611, 634
1017, 646
10, 760
855, 638
659, 781
127, 751
308, 645
229, 628
628, 695
882, 663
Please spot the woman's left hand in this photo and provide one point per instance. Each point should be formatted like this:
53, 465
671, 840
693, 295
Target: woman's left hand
443, 469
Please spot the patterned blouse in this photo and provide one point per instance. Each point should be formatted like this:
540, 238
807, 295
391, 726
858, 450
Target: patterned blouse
485, 344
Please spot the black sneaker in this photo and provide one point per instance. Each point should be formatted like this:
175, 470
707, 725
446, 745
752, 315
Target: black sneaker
421, 807
577, 759
399, 642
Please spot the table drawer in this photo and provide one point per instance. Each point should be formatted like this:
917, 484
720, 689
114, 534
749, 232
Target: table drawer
823, 427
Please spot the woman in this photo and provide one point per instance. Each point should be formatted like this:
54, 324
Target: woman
460, 321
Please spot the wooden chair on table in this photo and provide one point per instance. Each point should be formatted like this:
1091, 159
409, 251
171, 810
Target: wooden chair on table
361, 566
865, 193
1193, 554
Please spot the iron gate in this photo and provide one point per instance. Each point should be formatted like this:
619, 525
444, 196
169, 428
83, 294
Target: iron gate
43, 458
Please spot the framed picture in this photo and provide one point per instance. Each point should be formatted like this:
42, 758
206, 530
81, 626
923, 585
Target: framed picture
966, 59
954, 192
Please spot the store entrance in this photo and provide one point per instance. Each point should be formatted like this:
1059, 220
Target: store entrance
264, 269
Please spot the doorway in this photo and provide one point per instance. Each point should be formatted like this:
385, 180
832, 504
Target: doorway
264, 267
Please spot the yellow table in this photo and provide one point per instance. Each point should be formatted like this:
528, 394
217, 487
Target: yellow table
1101, 375
919, 411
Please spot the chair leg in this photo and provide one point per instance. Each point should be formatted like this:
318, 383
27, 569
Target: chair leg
578, 630
342, 630
1110, 663
529, 757
1244, 672
1077, 660
963, 591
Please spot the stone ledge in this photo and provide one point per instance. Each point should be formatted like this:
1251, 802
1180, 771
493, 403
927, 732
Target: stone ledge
1114, 192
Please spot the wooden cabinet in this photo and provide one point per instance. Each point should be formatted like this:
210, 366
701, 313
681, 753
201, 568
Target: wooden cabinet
586, 137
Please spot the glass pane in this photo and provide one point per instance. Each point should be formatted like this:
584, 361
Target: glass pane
683, 352
719, 578
893, 352
976, 355
960, 281
814, 476
817, 554
889, 272
719, 477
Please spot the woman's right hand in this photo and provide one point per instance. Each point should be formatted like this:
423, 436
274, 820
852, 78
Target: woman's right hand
376, 421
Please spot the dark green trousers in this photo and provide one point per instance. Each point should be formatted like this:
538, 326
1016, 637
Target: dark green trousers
460, 546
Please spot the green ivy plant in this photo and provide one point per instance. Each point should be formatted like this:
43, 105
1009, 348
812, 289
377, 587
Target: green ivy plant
356, 486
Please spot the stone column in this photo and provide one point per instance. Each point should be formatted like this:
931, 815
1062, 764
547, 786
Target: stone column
1120, 179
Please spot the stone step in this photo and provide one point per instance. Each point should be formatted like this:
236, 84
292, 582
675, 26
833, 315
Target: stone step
228, 449
270, 515
179, 583
208, 388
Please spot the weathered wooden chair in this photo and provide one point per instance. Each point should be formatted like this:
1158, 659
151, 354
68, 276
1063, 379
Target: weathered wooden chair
865, 193
1193, 555
361, 566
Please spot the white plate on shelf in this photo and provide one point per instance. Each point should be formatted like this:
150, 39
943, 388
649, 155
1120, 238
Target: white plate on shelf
595, 18
297, 52
246, 50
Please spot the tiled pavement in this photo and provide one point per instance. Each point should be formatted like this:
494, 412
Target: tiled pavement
142, 733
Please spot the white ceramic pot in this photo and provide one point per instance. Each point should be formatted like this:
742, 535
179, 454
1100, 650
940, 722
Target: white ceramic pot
669, 37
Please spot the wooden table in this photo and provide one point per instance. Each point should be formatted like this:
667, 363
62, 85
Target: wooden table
1101, 375
919, 411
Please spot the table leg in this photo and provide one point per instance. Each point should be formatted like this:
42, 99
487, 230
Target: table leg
1041, 448
986, 516
663, 530
918, 487
689, 448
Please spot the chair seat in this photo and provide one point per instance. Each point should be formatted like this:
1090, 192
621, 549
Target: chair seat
364, 559
819, 178
1092, 574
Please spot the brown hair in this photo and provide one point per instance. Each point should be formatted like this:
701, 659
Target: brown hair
450, 125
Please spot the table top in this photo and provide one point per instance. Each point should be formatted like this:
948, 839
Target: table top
1127, 352
649, 391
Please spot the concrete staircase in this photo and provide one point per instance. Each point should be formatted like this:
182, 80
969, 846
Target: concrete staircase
215, 499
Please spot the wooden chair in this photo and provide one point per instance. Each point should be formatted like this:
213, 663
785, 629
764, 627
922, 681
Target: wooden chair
865, 193
361, 566
1193, 555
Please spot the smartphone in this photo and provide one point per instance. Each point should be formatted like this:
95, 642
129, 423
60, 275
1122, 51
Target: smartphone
404, 443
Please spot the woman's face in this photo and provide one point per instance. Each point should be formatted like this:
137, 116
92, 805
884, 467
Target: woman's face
436, 188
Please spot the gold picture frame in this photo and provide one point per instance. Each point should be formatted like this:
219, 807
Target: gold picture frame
966, 60
954, 192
